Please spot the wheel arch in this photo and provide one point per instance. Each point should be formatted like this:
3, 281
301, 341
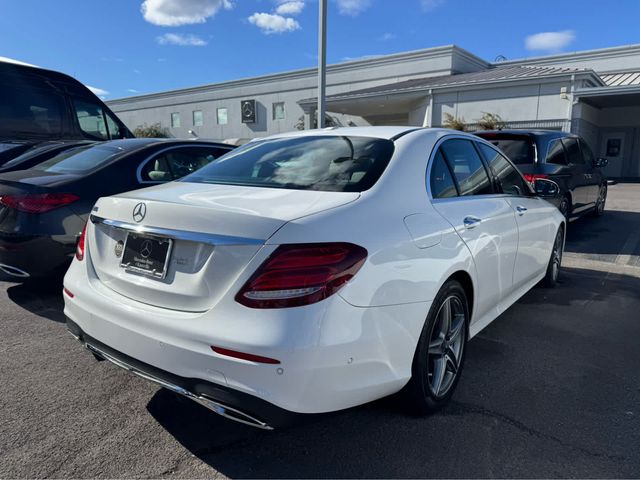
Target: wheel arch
464, 279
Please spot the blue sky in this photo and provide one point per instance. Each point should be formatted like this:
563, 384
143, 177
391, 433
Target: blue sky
131, 47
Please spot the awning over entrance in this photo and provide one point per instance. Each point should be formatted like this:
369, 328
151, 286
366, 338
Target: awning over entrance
609, 97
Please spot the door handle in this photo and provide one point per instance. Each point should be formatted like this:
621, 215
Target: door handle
471, 221
521, 210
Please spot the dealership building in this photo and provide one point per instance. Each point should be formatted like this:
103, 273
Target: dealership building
594, 93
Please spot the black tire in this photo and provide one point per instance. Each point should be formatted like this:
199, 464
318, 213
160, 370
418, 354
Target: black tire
598, 211
565, 207
420, 393
555, 262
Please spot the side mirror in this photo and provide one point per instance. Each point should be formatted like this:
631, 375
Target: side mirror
546, 188
601, 162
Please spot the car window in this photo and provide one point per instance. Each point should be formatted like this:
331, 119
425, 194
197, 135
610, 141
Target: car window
573, 151
114, 128
79, 160
468, 170
518, 148
91, 119
587, 153
326, 162
30, 111
556, 154
511, 182
178, 162
442, 184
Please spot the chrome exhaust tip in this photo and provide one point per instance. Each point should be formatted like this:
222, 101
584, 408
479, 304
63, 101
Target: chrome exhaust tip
212, 405
13, 271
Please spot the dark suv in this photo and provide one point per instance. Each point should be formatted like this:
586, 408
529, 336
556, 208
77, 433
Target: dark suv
562, 157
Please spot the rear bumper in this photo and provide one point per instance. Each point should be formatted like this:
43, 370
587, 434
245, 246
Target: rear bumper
229, 403
23, 257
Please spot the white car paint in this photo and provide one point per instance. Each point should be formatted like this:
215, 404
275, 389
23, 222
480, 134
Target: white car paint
352, 347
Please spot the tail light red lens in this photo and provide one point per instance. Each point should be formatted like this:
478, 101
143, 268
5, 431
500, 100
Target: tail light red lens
38, 203
301, 274
532, 177
81, 244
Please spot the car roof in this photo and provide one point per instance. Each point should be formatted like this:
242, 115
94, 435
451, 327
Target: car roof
531, 133
384, 132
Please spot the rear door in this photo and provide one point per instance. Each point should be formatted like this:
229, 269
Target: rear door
463, 194
531, 214
594, 175
579, 174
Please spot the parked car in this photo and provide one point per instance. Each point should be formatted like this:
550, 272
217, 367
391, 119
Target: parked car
562, 157
40, 153
44, 209
39, 105
295, 274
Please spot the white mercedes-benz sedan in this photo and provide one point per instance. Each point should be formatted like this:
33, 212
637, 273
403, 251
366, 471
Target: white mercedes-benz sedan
314, 271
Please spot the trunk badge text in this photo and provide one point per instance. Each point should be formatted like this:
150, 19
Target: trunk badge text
139, 212
119, 248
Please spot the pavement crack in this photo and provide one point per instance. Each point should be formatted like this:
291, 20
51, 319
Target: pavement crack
478, 410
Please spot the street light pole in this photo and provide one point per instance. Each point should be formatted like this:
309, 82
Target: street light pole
322, 62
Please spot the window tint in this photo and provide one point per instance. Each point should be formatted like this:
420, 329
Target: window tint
114, 127
468, 170
556, 153
587, 153
29, 111
442, 185
518, 148
91, 119
79, 160
177, 163
511, 183
329, 163
573, 151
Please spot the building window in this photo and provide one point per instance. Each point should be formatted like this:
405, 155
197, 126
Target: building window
278, 111
222, 116
198, 118
175, 120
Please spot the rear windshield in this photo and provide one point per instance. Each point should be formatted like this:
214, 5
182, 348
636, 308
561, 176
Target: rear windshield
329, 163
518, 149
79, 160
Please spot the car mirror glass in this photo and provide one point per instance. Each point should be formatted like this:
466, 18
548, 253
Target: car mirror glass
546, 188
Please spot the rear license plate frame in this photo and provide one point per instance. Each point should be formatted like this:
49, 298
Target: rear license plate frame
155, 240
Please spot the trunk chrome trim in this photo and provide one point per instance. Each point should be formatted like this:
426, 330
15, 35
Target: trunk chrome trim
198, 237
213, 405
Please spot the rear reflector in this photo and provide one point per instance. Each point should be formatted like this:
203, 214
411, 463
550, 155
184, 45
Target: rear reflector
38, 203
81, 243
244, 356
532, 177
301, 274
68, 292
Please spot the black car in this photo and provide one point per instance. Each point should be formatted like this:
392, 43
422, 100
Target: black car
562, 157
41, 153
44, 209
39, 105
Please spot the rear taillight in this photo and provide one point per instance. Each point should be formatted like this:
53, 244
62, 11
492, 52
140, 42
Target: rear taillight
38, 203
301, 274
81, 242
532, 177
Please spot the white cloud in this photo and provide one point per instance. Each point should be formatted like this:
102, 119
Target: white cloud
17, 62
269, 23
352, 7
388, 36
181, 39
132, 90
428, 5
290, 8
98, 92
550, 41
171, 13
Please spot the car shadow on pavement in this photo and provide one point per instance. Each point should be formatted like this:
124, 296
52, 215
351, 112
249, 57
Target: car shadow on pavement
42, 299
605, 235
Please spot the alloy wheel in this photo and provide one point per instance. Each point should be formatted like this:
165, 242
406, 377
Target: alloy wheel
564, 207
556, 256
446, 344
602, 198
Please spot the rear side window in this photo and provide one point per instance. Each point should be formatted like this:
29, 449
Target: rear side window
519, 149
468, 170
556, 154
177, 163
510, 180
442, 184
79, 160
328, 163
573, 151
28, 111
587, 153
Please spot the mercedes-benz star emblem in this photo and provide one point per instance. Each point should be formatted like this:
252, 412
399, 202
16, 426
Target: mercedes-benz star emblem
146, 249
139, 212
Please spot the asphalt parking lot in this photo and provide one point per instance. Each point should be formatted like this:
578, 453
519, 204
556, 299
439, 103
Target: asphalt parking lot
550, 389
